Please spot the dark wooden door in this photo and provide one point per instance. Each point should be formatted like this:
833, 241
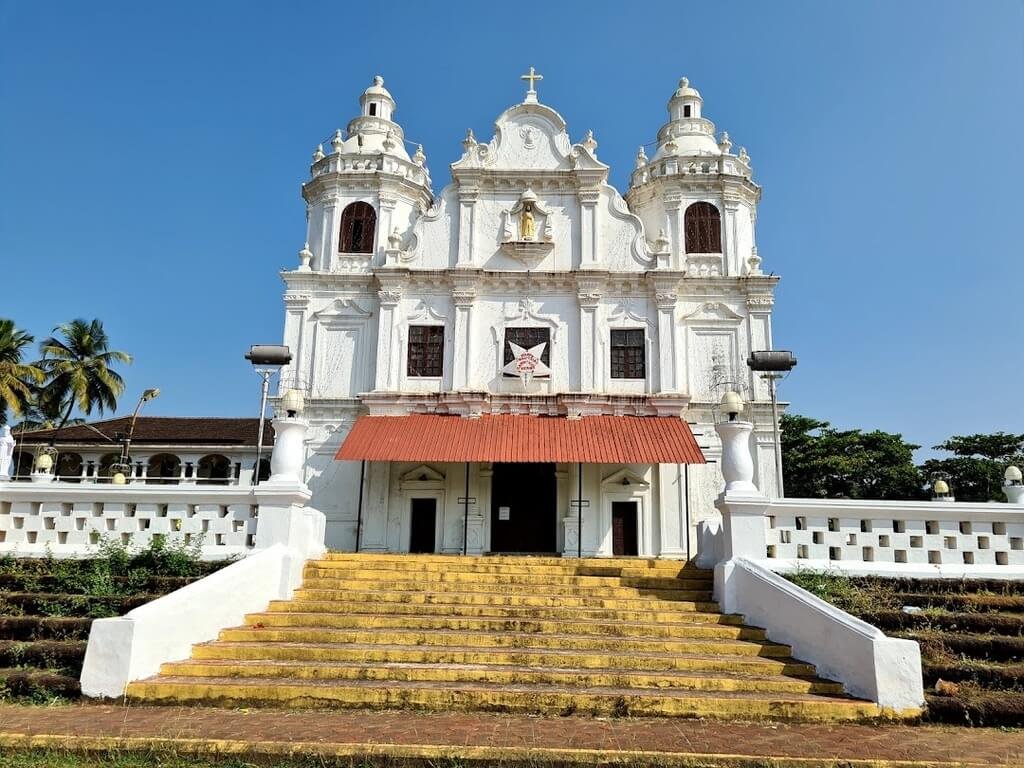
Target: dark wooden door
624, 533
423, 525
523, 508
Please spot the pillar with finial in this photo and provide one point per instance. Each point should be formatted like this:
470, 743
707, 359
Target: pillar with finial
1013, 485
305, 256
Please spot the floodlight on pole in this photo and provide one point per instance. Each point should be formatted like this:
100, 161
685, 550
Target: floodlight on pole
773, 365
121, 470
266, 359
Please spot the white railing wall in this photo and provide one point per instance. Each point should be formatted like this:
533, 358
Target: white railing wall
63, 519
912, 538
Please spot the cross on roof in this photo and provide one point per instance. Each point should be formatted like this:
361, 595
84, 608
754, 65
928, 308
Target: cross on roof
531, 76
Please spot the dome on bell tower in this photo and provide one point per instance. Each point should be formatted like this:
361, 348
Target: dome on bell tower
686, 133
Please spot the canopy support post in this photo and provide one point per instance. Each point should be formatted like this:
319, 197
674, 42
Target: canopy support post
465, 515
579, 512
359, 509
686, 508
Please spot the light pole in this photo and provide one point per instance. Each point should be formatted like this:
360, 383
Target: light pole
123, 465
773, 365
266, 359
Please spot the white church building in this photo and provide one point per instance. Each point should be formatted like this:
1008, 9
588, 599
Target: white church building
489, 367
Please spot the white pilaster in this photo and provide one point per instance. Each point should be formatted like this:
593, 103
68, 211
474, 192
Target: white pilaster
467, 228
589, 228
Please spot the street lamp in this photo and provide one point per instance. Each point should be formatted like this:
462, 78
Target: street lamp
773, 365
123, 467
266, 359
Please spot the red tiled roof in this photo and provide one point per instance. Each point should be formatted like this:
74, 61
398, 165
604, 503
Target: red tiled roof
592, 439
159, 430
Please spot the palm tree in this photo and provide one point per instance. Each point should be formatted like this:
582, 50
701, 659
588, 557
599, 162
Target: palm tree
77, 367
16, 378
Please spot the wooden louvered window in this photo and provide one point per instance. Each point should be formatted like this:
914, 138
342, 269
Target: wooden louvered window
628, 360
357, 224
426, 350
527, 338
703, 229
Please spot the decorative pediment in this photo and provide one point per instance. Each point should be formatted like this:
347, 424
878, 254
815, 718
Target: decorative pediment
342, 308
425, 313
625, 479
528, 312
631, 311
526, 137
713, 312
422, 474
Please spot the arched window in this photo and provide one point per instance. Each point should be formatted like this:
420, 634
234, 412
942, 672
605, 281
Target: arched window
69, 467
703, 229
107, 461
163, 469
213, 470
264, 469
357, 224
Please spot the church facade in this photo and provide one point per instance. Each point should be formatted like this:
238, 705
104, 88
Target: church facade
527, 360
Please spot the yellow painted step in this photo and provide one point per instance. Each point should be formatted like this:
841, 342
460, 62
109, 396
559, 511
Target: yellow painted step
500, 640
486, 566
503, 624
445, 578
523, 699
533, 657
505, 675
345, 585
367, 608
537, 561
495, 599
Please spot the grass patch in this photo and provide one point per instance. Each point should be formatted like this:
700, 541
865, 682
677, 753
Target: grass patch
856, 596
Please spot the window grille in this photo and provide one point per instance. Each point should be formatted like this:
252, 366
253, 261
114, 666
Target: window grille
628, 354
703, 226
426, 350
526, 338
357, 224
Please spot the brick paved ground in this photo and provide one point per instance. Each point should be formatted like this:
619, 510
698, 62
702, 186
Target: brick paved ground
282, 730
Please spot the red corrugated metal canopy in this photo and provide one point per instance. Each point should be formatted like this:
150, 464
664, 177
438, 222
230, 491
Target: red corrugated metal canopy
591, 440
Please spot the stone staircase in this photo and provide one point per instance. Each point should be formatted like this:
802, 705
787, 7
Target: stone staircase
509, 634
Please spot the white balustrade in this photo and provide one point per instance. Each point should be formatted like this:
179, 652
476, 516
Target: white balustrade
74, 519
881, 536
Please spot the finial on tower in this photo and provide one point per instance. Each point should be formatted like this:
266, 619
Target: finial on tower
531, 93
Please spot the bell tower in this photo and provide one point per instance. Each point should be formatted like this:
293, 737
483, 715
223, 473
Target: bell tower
363, 194
696, 194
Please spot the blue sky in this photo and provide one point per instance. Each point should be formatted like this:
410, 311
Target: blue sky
151, 157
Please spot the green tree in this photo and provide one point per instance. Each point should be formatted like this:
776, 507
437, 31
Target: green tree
975, 470
77, 363
819, 461
17, 378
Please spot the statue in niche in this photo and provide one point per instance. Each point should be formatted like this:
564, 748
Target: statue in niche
527, 226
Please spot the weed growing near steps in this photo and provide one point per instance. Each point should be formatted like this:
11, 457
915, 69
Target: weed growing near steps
851, 595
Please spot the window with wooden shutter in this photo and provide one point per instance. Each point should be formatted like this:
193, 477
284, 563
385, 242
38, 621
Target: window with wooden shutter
703, 226
358, 221
426, 350
628, 360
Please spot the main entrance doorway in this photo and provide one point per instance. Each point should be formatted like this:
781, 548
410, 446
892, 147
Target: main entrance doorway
524, 508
